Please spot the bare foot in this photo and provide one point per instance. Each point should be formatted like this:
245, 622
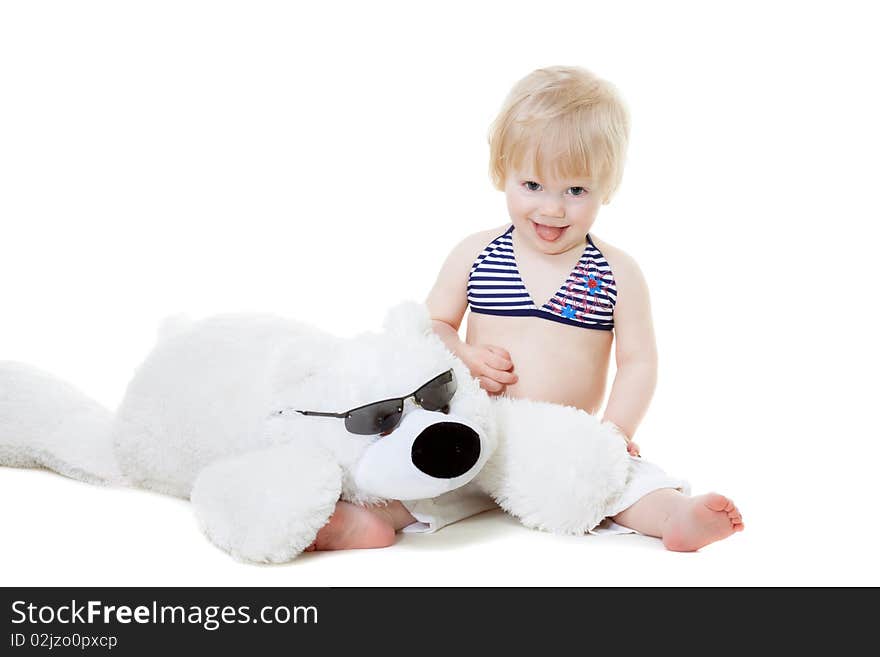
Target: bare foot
703, 520
352, 527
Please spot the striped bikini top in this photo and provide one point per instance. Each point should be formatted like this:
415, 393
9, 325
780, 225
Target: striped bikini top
586, 298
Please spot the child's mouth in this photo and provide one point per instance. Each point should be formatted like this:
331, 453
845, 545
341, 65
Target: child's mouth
548, 233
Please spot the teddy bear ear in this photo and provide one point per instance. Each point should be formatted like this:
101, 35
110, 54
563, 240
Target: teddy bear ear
408, 318
173, 325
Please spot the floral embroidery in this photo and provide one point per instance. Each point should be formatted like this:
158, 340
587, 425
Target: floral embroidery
585, 293
593, 284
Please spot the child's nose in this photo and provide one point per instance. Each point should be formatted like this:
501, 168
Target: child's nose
553, 209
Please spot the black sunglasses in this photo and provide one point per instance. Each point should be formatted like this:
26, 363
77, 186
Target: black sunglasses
383, 416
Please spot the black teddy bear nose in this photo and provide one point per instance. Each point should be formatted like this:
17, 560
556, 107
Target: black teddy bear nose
446, 450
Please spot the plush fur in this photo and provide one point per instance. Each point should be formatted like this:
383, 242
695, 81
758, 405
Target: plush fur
200, 420
556, 468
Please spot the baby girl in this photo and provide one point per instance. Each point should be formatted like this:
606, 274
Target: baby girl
544, 289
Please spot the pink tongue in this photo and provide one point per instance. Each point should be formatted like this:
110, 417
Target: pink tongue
549, 233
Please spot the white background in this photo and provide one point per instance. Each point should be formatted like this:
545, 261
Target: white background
161, 157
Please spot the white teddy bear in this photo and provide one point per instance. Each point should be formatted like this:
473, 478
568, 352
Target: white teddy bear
264, 423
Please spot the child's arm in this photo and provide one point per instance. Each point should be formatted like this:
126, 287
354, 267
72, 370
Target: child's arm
636, 350
447, 303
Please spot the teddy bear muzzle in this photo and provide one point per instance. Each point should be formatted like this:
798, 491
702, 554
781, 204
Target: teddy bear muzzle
446, 450
428, 454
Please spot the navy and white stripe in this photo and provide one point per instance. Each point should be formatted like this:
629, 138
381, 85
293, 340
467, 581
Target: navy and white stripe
586, 298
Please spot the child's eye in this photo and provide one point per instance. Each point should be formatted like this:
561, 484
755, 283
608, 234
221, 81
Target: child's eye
531, 185
577, 191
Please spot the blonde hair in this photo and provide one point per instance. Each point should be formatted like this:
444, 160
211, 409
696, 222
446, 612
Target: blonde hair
568, 121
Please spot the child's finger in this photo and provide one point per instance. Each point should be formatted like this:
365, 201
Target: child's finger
505, 378
498, 351
502, 376
498, 362
489, 385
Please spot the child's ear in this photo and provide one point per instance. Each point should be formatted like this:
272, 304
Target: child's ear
408, 319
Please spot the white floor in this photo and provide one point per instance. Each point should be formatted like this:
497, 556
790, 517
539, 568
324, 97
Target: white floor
62, 532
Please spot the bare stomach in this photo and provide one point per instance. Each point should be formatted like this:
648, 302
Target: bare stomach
554, 362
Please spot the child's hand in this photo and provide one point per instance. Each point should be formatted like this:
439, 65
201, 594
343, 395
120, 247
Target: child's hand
491, 365
632, 448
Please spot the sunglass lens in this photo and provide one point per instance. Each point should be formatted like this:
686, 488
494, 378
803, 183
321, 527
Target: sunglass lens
376, 418
437, 394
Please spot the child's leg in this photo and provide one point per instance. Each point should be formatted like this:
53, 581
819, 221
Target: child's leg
352, 526
684, 523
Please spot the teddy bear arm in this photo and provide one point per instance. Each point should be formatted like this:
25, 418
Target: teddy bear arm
556, 468
267, 505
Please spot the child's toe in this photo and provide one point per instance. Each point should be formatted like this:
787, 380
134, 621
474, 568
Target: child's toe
718, 502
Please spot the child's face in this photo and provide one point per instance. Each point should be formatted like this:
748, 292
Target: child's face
551, 215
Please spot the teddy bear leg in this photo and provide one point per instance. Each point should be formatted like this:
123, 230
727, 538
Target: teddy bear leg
267, 505
46, 422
